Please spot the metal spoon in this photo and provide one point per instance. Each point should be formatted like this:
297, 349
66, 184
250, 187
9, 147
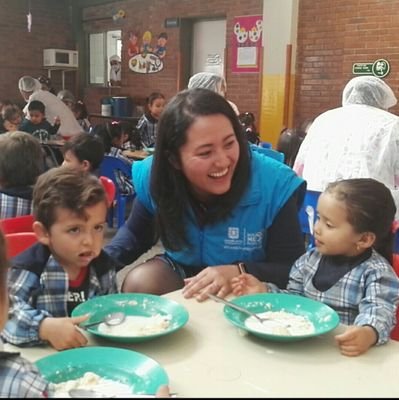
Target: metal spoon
112, 319
236, 307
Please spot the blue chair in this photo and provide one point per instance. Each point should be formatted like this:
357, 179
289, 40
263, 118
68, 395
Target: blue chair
108, 168
277, 155
308, 215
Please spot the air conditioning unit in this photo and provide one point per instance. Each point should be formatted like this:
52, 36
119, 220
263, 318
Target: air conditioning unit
60, 58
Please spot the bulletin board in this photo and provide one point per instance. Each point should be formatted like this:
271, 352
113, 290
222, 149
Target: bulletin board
247, 43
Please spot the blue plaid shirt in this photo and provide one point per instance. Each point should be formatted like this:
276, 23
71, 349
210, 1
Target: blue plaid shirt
20, 378
38, 288
367, 295
125, 184
12, 206
147, 127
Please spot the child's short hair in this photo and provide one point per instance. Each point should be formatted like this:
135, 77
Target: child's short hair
154, 96
86, 147
65, 188
21, 159
36, 105
10, 112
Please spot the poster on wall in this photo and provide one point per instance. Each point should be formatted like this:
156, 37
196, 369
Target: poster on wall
144, 57
247, 43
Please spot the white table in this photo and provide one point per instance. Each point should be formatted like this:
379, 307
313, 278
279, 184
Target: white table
209, 357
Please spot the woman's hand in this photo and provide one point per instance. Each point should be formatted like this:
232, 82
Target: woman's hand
214, 280
247, 284
356, 340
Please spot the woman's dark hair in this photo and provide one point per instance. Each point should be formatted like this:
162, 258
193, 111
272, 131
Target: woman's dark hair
288, 143
370, 208
169, 187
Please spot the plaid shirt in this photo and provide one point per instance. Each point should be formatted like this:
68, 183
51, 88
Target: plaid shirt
38, 288
12, 206
147, 127
367, 295
20, 378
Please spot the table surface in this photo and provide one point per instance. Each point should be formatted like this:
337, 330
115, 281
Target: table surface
136, 154
209, 357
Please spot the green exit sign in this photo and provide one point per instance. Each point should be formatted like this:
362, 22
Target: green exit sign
379, 68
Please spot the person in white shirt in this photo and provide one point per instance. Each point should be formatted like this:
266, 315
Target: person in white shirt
358, 140
30, 89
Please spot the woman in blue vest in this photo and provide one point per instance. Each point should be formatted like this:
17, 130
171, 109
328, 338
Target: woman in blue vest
218, 207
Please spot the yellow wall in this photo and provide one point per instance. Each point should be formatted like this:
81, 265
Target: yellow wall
279, 31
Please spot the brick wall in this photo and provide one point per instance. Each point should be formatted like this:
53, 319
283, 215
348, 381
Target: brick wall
142, 15
333, 36
21, 51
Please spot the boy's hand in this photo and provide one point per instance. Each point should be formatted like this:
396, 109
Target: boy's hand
356, 340
247, 284
61, 333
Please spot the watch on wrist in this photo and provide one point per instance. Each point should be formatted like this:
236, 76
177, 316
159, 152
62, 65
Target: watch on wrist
242, 269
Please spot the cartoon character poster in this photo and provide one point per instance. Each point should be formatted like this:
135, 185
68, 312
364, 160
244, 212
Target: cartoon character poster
247, 43
144, 57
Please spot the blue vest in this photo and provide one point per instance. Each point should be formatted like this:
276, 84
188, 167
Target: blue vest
242, 236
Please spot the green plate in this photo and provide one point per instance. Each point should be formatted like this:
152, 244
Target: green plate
143, 374
136, 304
323, 317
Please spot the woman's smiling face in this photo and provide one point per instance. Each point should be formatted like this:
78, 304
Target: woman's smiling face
209, 156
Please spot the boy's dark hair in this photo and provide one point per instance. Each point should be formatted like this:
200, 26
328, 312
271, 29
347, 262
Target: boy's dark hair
108, 132
370, 208
288, 143
65, 188
9, 112
86, 147
21, 159
36, 105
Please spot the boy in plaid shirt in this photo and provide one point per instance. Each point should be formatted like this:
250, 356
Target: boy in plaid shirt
18, 377
66, 267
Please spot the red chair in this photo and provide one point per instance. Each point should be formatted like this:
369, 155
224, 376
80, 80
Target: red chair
395, 264
17, 224
110, 189
18, 242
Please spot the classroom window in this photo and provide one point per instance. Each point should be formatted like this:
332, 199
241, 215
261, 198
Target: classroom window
102, 46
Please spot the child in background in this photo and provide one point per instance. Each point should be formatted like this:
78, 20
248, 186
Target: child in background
349, 269
113, 138
288, 143
66, 267
83, 152
81, 115
147, 124
12, 117
37, 125
247, 120
19, 378
21, 162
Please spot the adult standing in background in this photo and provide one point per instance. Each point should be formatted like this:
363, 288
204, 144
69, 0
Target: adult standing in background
211, 81
31, 89
358, 140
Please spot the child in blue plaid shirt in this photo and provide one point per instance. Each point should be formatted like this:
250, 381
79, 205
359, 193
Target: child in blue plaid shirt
147, 124
18, 377
349, 269
66, 267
